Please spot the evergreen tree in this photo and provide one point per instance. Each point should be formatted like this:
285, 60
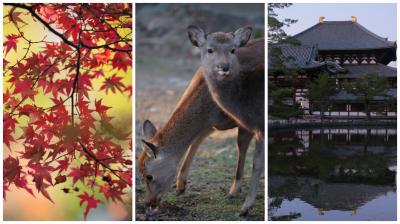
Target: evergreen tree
320, 90
281, 103
366, 88
280, 99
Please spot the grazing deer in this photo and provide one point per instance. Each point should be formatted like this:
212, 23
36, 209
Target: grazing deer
195, 117
236, 86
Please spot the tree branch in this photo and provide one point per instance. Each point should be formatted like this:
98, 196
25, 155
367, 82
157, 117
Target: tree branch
92, 156
60, 35
36, 16
35, 82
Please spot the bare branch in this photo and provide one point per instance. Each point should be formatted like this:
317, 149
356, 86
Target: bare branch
30, 9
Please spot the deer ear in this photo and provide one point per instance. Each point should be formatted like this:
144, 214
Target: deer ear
196, 35
149, 130
242, 36
149, 148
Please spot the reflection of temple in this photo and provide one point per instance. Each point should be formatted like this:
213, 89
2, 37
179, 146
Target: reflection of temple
340, 155
332, 169
327, 196
346, 50
355, 136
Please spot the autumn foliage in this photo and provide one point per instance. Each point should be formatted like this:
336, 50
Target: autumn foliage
71, 138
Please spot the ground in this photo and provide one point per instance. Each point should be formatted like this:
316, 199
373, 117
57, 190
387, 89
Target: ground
213, 168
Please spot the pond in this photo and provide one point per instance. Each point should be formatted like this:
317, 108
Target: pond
332, 174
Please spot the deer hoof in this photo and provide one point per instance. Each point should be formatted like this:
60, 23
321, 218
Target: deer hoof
180, 191
244, 212
231, 198
180, 187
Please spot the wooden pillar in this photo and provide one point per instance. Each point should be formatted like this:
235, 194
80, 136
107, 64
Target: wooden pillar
329, 109
348, 110
386, 135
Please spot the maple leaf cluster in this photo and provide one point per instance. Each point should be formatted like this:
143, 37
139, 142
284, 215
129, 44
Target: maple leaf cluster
61, 144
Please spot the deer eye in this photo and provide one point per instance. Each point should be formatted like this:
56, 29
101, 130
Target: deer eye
210, 51
233, 50
149, 177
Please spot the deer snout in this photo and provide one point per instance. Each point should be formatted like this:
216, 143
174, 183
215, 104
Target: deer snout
152, 201
223, 69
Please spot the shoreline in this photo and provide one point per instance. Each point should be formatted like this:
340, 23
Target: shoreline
302, 123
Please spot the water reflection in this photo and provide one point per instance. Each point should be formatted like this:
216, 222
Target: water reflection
332, 174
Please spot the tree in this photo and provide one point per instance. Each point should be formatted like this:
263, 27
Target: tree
275, 32
281, 103
277, 36
367, 87
71, 137
320, 90
279, 97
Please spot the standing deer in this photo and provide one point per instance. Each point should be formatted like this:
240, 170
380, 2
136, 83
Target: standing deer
236, 86
195, 117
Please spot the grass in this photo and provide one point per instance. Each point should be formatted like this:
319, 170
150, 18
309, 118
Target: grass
209, 180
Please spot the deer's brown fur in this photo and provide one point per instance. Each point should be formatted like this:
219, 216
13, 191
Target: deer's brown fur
234, 73
195, 117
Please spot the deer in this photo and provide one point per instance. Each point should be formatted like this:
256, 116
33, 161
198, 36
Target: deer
236, 86
194, 118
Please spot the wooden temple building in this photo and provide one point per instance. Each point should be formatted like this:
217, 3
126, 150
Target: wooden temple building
346, 50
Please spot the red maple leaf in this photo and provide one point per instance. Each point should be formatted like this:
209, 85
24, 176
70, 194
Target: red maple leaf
63, 165
21, 182
41, 173
91, 202
85, 84
60, 179
14, 17
8, 129
101, 109
80, 173
45, 193
73, 31
128, 89
8, 136
76, 174
11, 43
121, 61
24, 87
102, 58
111, 193
12, 169
112, 84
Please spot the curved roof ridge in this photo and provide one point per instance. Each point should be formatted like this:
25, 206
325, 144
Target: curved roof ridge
376, 64
387, 66
355, 70
374, 34
297, 55
308, 29
341, 35
296, 45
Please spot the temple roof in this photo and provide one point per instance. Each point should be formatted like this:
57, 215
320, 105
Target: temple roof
327, 195
355, 71
342, 35
343, 95
301, 56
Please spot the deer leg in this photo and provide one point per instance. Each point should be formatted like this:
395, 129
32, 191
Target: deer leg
258, 168
184, 170
243, 141
187, 161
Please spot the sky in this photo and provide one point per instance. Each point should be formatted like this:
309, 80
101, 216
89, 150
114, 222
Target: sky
379, 18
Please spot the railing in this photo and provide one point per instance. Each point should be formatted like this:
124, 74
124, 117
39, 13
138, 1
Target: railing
316, 122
